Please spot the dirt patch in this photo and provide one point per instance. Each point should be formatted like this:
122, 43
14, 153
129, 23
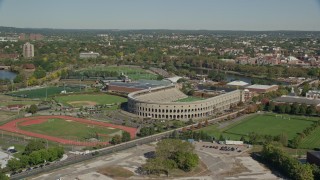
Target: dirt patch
33, 121
238, 168
77, 103
115, 172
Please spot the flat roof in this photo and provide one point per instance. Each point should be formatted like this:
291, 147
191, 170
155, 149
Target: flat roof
237, 83
258, 86
141, 84
297, 99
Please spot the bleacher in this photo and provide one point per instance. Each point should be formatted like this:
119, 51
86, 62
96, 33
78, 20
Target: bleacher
163, 95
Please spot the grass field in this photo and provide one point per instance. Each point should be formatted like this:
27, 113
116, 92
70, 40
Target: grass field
190, 99
134, 73
70, 130
89, 99
41, 93
9, 100
266, 124
311, 141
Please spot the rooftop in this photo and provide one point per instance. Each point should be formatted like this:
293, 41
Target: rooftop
297, 99
258, 86
315, 153
237, 83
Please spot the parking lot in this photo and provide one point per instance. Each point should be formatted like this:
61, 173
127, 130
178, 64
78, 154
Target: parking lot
221, 148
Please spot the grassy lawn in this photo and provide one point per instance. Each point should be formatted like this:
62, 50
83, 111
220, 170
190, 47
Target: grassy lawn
190, 99
41, 93
70, 129
6, 100
84, 99
311, 141
267, 124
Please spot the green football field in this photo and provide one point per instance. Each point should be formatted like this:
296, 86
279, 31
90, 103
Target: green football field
71, 130
43, 92
265, 124
90, 99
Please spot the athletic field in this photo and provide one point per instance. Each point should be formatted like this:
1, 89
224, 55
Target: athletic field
43, 92
311, 141
265, 124
67, 129
78, 100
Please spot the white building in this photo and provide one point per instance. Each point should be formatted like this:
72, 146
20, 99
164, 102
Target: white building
87, 55
28, 50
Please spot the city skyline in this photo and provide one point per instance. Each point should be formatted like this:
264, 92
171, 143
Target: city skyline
165, 14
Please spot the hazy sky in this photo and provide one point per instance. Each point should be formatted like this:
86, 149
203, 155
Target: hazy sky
163, 14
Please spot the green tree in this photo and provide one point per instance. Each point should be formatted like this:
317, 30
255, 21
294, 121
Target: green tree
125, 136
186, 160
283, 139
3, 176
14, 164
34, 145
19, 78
33, 109
116, 139
311, 110
35, 158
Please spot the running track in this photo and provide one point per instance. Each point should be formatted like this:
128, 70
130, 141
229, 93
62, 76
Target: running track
12, 127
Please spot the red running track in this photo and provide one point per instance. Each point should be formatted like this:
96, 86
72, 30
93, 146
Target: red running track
12, 127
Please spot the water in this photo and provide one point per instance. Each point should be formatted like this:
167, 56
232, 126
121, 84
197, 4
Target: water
4, 74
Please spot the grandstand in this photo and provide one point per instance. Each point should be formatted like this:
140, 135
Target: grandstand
162, 103
162, 95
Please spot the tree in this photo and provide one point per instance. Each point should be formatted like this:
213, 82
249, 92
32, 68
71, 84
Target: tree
3, 176
311, 110
116, 139
14, 164
34, 145
283, 139
295, 108
33, 109
35, 158
271, 106
186, 160
303, 109
171, 154
125, 136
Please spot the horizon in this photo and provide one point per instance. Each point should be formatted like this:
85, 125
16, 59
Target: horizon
210, 15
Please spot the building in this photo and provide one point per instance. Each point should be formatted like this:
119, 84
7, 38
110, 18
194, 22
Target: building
36, 37
299, 100
162, 103
87, 55
28, 50
237, 84
262, 88
313, 157
313, 94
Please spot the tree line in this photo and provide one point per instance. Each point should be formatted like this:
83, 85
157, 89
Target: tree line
35, 153
290, 167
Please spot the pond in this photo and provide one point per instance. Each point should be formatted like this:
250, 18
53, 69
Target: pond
4, 74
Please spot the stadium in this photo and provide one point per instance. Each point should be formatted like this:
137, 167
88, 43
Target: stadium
163, 103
